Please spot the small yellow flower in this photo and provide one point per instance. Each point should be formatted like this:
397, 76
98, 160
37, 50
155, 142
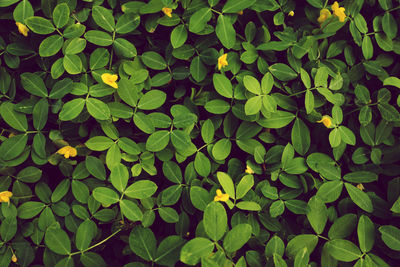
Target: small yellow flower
338, 11
361, 187
240, 12
291, 13
326, 120
110, 79
67, 151
22, 29
249, 170
222, 62
167, 11
323, 15
220, 196
5, 196
14, 258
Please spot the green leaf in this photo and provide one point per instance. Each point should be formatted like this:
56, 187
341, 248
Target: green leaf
275, 246
335, 138
197, 69
15, 119
199, 19
300, 137
227, 184
61, 15
202, 164
72, 64
157, 141
302, 258
248, 205
84, 234
30, 209
130, 210
154, 60
58, 241
168, 250
124, 48
195, 249
252, 84
178, 36
199, 197
359, 197
225, 31
180, 140
75, 46
234, 6
343, 250
277, 208
278, 119
391, 236
366, 233
317, 214
143, 243
367, 48
8, 228
389, 25
347, 135
33, 84
237, 237
152, 100
104, 18
360, 177
99, 143
141, 189
143, 123
29, 174
217, 106
40, 114
72, 109
99, 38
223, 85
98, 109
50, 46
330, 191
13, 147
222, 149
40, 25
299, 242
343, 226
127, 23
215, 220
282, 72
105, 195
119, 176
393, 81
169, 215
22, 11
245, 184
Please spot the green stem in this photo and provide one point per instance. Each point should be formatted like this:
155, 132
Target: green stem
95, 245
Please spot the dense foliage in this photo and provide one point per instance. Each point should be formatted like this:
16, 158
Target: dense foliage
195, 132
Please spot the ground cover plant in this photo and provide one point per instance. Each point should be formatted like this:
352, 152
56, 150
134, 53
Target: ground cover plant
195, 132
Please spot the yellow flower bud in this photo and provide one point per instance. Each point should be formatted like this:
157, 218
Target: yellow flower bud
220, 196
291, 13
324, 14
67, 151
14, 258
167, 11
326, 120
22, 29
222, 62
5, 196
110, 79
249, 170
338, 11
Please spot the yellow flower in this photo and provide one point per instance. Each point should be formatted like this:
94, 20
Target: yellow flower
326, 120
360, 186
222, 61
167, 11
220, 196
67, 151
110, 79
338, 11
22, 29
5, 196
323, 15
240, 12
14, 258
249, 170
291, 13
